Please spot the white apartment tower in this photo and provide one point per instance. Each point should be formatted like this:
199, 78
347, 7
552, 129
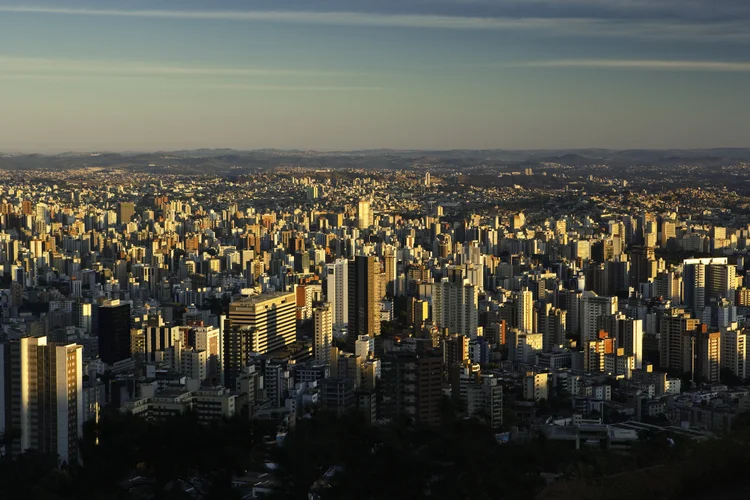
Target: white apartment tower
734, 350
592, 307
455, 307
337, 292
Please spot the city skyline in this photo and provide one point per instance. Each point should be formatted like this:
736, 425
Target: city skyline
83, 75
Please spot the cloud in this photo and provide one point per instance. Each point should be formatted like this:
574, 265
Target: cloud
299, 88
193, 83
663, 65
539, 24
27, 65
301, 17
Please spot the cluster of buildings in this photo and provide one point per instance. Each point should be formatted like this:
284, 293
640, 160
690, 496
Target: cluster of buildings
163, 296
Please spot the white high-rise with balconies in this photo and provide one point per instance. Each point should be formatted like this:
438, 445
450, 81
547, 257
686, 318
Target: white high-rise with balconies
455, 307
337, 293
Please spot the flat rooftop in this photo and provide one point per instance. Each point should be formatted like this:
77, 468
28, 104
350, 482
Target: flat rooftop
255, 299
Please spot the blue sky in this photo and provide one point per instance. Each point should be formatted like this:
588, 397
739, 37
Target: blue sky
348, 74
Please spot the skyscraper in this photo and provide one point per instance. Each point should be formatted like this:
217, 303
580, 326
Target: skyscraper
455, 307
707, 355
238, 348
592, 307
159, 337
594, 352
677, 329
705, 279
525, 311
272, 316
390, 262
211, 340
734, 350
41, 396
114, 331
364, 215
364, 309
552, 324
323, 332
337, 292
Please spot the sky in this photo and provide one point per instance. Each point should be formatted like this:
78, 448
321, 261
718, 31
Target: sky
95, 75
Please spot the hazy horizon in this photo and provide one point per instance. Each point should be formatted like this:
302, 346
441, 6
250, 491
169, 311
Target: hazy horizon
336, 75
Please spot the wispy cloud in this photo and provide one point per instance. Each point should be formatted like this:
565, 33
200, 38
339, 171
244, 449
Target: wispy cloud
299, 88
195, 83
576, 26
301, 17
662, 65
11, 64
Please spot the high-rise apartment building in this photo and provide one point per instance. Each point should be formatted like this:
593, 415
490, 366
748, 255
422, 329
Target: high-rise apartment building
527, 346
595, 351
455, 306
271, 316
323, 334
525, 311
211, 340
239, 342
705, 279
707, 356
364, 215
337, 292
552, 324
455, 350
41, 396
734, 350
364, 304
592, 307
412, 386
677, 328
390, 270
159, 338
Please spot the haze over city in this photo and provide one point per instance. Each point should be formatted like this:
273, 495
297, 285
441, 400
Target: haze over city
478, 74
374, 249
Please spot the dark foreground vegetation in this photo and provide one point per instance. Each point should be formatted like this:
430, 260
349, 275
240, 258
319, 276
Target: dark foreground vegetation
128, 458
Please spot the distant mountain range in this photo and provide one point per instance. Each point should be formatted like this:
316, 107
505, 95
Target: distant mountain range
219, 160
